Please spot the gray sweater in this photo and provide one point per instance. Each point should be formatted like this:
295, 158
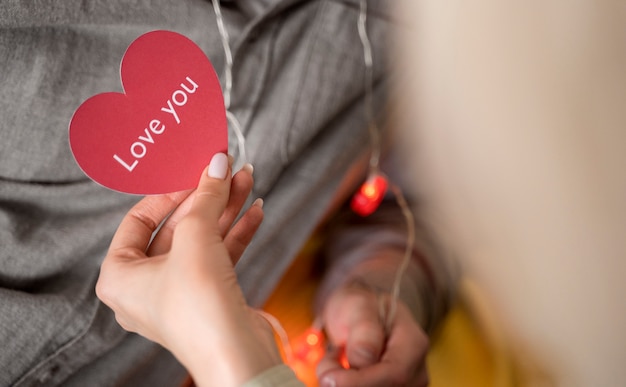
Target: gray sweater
298, 93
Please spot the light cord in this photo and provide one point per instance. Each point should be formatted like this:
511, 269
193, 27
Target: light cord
408, 252
241, 139
228, 66
389, 314
278, 331
228, 81
374, 132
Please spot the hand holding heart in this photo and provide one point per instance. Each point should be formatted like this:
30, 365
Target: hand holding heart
181, 290
178, 289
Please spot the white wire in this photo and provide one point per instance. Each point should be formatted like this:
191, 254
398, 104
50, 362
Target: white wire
374, 168
228, 73
369, 85
280, 332
406, 259
241, 139
374, 158
228, 82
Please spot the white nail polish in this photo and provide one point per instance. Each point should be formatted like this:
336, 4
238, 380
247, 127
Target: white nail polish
218, 166
248, 167
258, 203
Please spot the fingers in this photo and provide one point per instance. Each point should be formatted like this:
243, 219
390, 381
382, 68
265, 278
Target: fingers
407, 344
211, 198
330, 362
135, 230
162, 242
240, 236
332, 373
402, 363
384, 373
240, 188
352, 320
377, 375
127, 248
219, 199
366, 340
237, 237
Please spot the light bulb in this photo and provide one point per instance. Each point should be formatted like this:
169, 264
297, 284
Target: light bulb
368, 197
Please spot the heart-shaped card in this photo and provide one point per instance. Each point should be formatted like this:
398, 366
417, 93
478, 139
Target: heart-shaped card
158, 135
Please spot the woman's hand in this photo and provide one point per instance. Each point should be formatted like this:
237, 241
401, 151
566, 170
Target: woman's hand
377, 355
181, 290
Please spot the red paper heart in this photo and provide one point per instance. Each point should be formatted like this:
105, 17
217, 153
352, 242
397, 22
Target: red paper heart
159, 135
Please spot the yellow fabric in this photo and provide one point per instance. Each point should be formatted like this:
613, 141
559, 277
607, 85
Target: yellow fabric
472, 348
461, 356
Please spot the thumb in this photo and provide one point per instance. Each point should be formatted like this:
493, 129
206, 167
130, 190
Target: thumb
213, 189
352, 320
366, 340
200, 226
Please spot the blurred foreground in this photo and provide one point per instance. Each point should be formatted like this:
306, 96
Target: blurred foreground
517, 117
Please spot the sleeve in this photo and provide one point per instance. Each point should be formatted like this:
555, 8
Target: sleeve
278, 376
369, 250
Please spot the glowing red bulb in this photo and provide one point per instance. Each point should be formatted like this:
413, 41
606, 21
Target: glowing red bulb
312, 338
368, 197
309, 345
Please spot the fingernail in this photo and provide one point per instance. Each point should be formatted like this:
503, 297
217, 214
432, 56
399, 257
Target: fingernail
258, 202
248, 167
327, 381
218, 166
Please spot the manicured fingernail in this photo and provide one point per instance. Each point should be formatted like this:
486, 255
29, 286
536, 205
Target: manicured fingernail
258, 203
218, 166
248, 167
327, 381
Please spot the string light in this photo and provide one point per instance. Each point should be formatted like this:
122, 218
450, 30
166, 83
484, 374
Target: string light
308, 350
309, 347
367, 199
228, 83
370, 195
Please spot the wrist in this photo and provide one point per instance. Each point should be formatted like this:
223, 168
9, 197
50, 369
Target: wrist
242, 348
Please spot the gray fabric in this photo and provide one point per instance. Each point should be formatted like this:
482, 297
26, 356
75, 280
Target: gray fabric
298, 93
